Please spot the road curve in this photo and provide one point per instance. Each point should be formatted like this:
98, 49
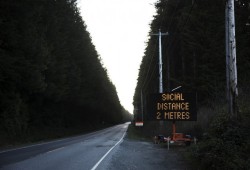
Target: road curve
76, 153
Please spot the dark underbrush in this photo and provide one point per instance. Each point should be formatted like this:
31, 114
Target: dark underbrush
226, 145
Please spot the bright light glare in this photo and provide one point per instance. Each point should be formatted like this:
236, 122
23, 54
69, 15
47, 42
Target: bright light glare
119, 30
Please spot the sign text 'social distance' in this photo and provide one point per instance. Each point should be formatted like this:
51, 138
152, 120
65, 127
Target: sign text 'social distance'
172, 106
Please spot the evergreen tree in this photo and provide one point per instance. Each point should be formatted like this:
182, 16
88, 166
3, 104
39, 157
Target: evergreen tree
51, 75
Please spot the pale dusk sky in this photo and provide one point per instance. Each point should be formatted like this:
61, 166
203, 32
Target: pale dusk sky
119, 31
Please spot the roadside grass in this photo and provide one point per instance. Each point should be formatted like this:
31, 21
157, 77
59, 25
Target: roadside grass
185, 152
188, 155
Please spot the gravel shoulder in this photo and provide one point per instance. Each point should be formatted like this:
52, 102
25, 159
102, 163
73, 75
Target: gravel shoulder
142, 155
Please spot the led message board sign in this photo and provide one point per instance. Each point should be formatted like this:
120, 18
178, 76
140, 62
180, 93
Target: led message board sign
172, 106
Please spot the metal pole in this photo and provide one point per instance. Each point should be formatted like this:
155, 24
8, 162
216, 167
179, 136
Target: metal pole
174, 130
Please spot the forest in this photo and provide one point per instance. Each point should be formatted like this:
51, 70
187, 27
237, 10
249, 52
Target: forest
52, 81
194, 58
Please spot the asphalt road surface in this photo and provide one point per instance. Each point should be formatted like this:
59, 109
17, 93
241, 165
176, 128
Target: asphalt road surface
105, 149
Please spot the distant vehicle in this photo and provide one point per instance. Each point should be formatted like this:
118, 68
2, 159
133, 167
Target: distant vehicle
181, 138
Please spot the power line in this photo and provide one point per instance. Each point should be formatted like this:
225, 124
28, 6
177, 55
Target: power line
177, 4
182, 28
151, 76
163, 18
146, 80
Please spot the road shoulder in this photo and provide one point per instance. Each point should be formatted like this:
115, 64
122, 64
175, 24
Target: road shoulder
137, 154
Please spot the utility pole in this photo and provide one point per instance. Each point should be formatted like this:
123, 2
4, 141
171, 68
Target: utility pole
160, 60
231, 68
160, 69
160, 64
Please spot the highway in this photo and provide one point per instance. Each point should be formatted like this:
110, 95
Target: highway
76, 153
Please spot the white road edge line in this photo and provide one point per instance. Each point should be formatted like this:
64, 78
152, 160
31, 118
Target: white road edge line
104, 156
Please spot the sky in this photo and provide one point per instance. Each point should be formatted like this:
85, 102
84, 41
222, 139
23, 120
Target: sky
119, 30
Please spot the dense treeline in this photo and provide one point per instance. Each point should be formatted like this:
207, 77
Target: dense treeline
51, 75
194, 58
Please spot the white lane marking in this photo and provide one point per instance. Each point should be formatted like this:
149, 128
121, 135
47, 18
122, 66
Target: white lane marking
104, 156
59, 140
38, 144
30, 146
55, 150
